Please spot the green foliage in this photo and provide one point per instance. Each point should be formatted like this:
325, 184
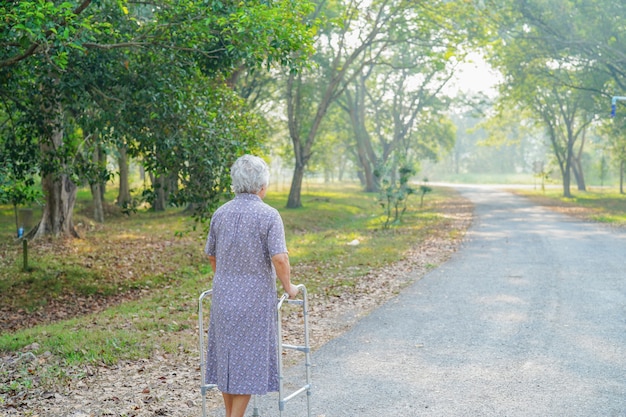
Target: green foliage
50, 29
17, 190
547, 75
83, 79
200, 147
424, 189
394, 193
385, 64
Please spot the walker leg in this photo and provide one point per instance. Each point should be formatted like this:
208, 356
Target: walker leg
203, 387
255, 409
203, 404
306, 349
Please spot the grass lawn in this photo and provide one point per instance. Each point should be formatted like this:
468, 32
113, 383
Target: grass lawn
129, 287
595, 204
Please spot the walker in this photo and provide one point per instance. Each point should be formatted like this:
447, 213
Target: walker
306, 349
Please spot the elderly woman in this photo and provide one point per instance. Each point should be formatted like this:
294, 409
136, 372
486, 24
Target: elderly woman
247, 250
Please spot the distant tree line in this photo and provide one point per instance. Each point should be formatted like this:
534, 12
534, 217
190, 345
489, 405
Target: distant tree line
562, 62
183, 87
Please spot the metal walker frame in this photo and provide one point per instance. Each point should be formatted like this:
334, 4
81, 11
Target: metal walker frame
306, 349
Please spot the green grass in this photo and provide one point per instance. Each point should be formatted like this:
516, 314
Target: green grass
318, 236
154, 261
595, 204
126, 331
107, 261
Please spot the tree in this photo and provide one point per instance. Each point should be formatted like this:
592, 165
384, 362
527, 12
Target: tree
590, 36
18, 159
218, 130
614, 131
564, 115
394, 195
541, 79
391, 103
342, 47
16, 191
353, 40
49, 46
513, 143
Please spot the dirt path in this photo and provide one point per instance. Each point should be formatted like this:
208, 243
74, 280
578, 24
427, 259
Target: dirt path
167, 384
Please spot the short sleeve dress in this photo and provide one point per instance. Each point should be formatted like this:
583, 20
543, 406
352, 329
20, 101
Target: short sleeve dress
242, 348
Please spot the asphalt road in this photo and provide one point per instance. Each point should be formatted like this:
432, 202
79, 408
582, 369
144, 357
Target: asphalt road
528, 318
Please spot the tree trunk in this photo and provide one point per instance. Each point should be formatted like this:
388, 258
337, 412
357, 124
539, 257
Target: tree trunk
355, 106
171, 184
567, 173
98, 209
361, 176
301, 146
123, 196
60, 196
58, 189
577, 162
369, 180
563, 157
579, 175
621, 177
102, 158
158, 187
566, 185
342, 169
304, 143
96, 190
295, 191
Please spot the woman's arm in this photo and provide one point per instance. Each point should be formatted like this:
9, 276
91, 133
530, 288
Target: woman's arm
283, 272
212, 260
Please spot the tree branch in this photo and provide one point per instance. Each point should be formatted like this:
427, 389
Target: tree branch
35, 45
110, 46
17, 58
81, 8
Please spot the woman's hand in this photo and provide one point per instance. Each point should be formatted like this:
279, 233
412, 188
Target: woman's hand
292, 291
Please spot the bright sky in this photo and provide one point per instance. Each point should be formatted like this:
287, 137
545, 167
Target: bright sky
475, 76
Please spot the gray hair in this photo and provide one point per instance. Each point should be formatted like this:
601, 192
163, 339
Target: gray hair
249, 174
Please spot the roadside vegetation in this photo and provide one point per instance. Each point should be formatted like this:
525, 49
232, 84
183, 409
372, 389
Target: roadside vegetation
596, 204
129, 288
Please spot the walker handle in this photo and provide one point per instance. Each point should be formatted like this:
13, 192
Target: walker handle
285, 297
282, 299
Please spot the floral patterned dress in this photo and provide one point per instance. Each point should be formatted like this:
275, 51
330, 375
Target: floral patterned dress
242, 349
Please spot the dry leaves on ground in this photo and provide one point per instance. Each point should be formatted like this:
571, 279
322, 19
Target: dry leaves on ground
168, 384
